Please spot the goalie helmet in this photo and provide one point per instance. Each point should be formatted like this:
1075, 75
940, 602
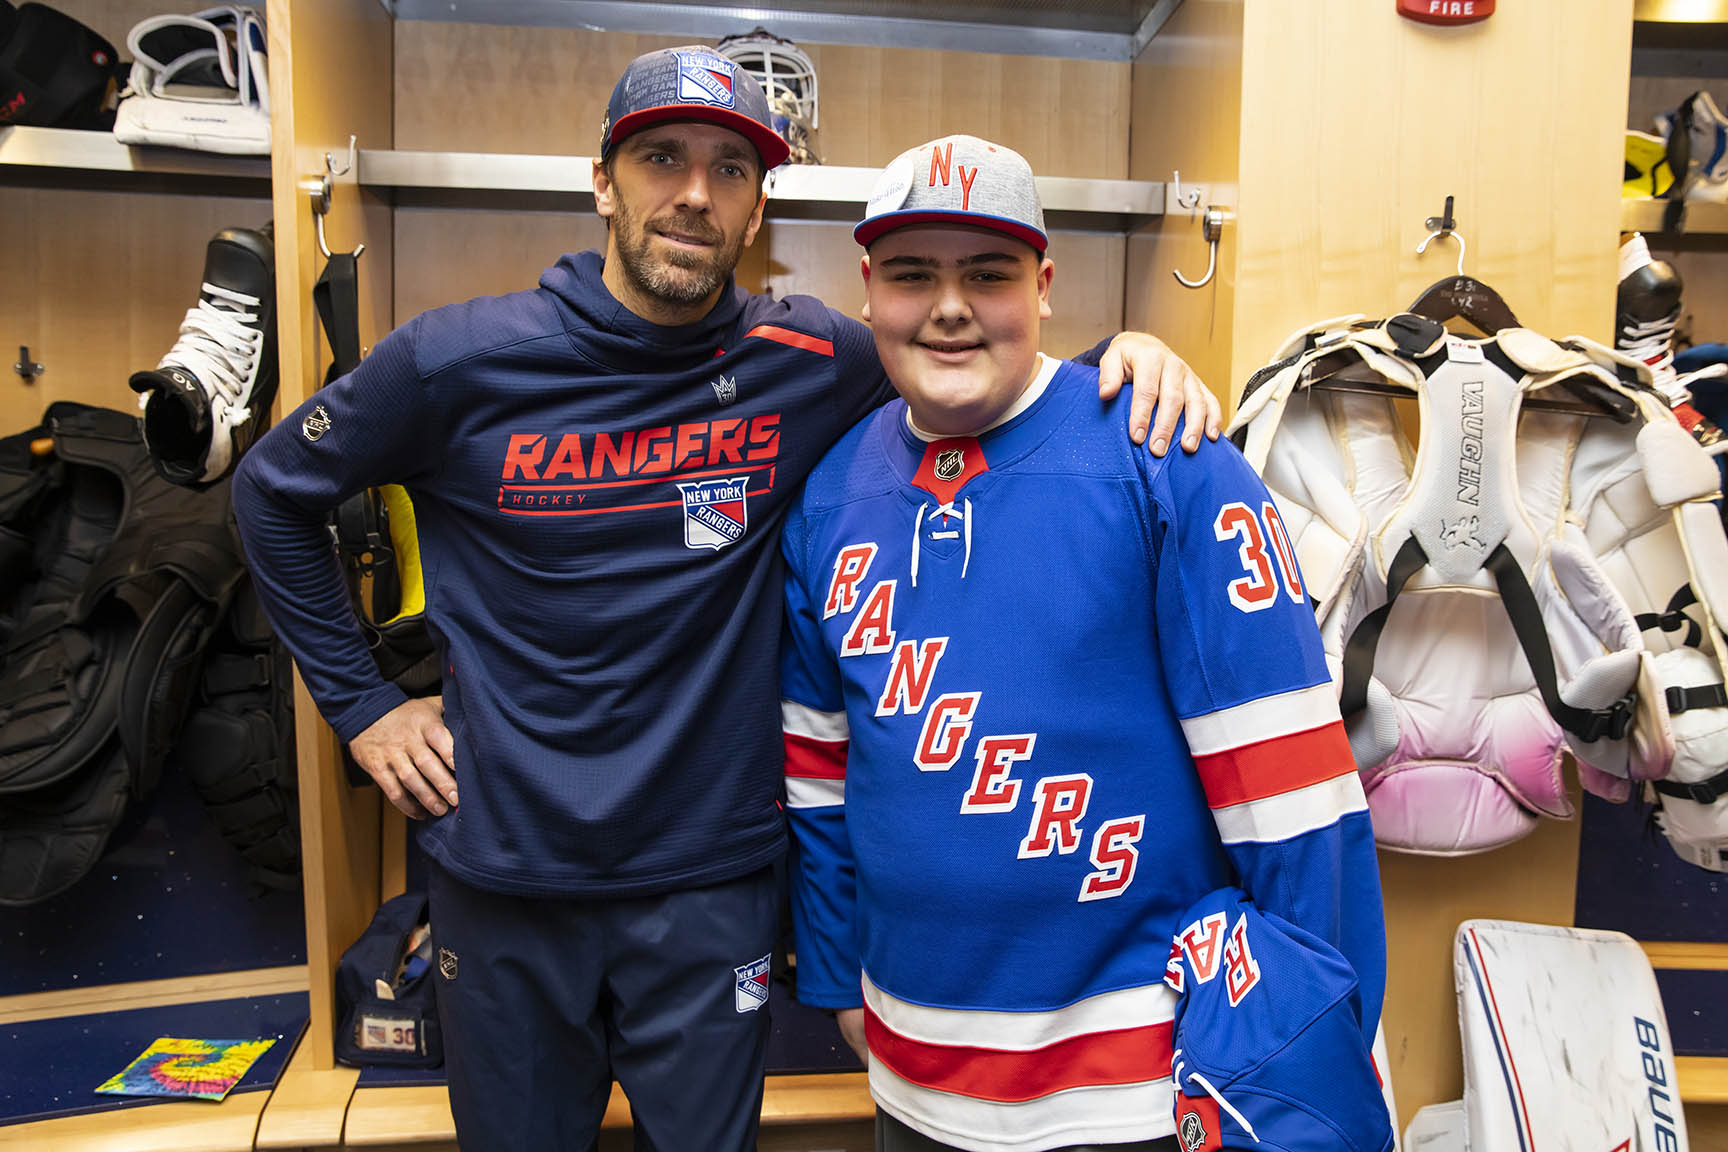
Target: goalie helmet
788, 78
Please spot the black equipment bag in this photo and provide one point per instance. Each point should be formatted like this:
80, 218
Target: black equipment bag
54, 72
385, 1000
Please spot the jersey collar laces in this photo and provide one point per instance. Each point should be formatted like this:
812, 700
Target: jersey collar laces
1176, 1063
944, 510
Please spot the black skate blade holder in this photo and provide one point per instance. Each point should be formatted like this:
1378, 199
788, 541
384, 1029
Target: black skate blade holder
317, 189
1459, 297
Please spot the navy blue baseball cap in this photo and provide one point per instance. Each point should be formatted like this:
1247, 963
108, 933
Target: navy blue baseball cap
691, 83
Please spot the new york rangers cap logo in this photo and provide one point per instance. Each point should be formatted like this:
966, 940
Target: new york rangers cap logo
692, 82
705, 79
750, 987
715, 512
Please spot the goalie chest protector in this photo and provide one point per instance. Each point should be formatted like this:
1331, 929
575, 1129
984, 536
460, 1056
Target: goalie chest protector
1485, 596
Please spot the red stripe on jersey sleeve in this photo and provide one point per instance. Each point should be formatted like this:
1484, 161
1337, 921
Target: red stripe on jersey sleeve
795, 339
810, 759
1274, 767
1125, 1056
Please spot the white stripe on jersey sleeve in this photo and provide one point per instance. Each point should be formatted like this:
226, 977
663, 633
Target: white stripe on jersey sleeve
1022, 1031
803, 792
1097, 1114
799, 720
1291, 813
1263, 719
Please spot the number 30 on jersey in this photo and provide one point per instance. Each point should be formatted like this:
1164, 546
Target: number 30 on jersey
1262, 544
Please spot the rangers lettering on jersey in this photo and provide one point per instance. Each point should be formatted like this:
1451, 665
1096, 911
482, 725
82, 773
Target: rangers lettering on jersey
585, 473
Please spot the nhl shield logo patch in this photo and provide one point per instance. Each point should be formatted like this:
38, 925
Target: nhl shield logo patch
1197, 1123
315, 423
715, 512
750, 986
950, 462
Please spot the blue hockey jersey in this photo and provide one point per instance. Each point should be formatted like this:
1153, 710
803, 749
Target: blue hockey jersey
598, 500
1041, 692
1270, 1053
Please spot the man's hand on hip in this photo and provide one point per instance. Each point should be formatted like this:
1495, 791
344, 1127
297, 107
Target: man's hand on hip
412, 756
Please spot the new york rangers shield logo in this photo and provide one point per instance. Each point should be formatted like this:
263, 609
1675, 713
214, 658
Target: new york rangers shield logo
750, 991
704, 79
715, 512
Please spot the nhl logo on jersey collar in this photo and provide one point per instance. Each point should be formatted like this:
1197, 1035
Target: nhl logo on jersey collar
947, 466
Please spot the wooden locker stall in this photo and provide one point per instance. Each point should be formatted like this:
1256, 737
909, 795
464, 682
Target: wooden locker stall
104, 251
1333, 130
330, 85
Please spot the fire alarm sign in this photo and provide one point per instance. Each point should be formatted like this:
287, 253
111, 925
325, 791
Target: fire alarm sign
1446, 11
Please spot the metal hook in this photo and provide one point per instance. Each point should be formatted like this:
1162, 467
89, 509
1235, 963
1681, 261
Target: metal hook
28, 366
1189, 199
1211, 228
330, 164
317, 190
1443, 233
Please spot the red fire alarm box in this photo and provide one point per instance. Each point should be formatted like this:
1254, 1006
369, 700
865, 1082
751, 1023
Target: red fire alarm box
1446, 11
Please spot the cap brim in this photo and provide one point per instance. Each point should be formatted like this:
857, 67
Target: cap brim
773, 150
870, 229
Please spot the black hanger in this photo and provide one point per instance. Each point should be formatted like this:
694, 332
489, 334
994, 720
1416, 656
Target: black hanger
1465, 298
1460, 297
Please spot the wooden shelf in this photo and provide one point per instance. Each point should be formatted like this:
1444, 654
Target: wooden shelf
75, 151
391, 1117
1697, 218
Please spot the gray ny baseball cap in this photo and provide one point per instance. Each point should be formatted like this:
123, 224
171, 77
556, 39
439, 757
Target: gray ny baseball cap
957, 180
691, 83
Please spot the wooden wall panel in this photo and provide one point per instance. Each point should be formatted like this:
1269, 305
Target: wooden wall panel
444, 255
483, 88
96, 284
329, 78
1187, 108
1067, 117
1357, 124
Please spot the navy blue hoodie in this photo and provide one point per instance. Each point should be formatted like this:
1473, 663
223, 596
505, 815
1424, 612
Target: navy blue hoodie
599, 502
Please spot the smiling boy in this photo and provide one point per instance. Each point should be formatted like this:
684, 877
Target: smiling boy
1041, 692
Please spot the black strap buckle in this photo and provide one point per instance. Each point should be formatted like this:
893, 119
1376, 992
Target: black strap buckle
1613, 721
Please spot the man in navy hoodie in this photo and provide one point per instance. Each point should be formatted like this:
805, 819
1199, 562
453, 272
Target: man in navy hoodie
599, 469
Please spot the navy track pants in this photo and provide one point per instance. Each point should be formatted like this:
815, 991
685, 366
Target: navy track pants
544, 1002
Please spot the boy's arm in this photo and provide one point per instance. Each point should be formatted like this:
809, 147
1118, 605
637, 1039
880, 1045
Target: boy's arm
1245, 666
823, 881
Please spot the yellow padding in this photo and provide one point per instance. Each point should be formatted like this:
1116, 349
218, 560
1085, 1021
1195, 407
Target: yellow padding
406, 541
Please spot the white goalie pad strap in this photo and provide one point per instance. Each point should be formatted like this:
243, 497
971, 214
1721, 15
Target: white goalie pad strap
1262, 412
1298, 339
1675, 467
1701, 734
1565, 1041
1536, 353
1707, 562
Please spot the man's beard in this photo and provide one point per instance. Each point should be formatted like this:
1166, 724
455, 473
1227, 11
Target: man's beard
679, 277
